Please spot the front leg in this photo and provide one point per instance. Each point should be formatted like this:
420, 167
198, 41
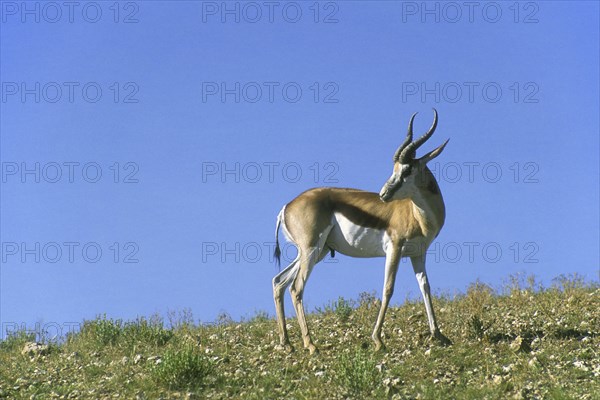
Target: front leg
418, 263
391, 267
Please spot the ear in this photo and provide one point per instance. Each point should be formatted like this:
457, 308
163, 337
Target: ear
433, 153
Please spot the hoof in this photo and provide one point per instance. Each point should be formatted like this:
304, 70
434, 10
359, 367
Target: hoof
287, 348
312, 349
379, 346
441, 339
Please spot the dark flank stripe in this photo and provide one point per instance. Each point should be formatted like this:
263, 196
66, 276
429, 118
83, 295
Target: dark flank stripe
361, 217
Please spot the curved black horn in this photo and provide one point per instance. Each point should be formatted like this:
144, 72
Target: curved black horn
409, 137
411, 149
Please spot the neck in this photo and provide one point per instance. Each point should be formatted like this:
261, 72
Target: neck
428, 205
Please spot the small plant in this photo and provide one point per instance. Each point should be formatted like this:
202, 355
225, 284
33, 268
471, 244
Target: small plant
151, 332
357, 373
476, 327
520, 284
479, 297
260, 316
341, 308
568, 283
102, 331
16, 340
183, 319
224, 319
185, 368
368, 300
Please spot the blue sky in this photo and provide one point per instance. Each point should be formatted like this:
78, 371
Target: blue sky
167, 136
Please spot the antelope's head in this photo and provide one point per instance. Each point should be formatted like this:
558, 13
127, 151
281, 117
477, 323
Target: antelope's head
408, 169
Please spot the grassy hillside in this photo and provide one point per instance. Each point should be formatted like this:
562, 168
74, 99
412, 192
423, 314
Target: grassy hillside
521, 343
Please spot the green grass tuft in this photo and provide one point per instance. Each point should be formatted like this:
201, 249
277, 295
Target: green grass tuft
184, 368
356, 372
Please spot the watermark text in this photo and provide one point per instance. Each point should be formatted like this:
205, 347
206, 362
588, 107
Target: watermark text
452, 12
270, 92
269, 172
68, 172
53, 12
253, 12
69, 252
69, 92
470, 92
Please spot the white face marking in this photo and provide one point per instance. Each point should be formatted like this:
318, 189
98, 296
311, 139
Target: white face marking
401, 184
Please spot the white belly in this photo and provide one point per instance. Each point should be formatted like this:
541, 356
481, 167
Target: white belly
355, 240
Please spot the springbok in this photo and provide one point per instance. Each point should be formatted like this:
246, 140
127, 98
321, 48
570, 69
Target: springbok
401, 221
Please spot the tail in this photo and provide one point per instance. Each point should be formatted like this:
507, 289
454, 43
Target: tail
277, 252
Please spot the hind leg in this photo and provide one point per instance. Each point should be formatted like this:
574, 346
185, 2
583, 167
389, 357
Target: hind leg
306, 264
280, 282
